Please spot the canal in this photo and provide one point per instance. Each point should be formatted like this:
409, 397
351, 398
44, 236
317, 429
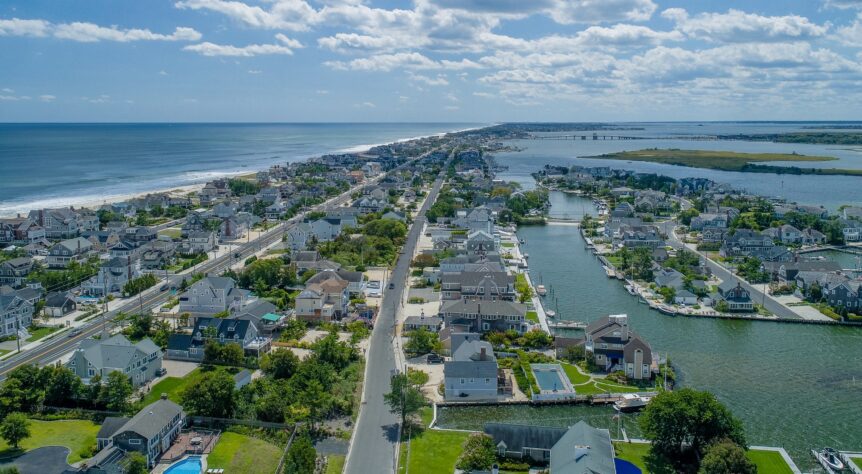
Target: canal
795, 386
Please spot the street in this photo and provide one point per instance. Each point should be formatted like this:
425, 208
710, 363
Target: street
375, 437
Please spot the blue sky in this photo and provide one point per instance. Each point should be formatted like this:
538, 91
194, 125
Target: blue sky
430, 60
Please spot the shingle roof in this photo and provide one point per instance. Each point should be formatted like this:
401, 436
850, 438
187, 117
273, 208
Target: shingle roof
583, 450
152, 418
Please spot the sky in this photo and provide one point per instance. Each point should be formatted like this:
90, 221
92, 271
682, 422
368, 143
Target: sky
429, 60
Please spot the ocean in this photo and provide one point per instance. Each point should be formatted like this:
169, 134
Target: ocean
48, 165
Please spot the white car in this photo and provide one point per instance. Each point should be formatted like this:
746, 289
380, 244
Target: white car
372, 288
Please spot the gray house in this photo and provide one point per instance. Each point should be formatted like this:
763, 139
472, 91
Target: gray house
212, 295
150, 432
141, 361
16, 311
472, 372
483, 316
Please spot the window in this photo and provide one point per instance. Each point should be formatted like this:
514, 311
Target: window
134, 441
462, 381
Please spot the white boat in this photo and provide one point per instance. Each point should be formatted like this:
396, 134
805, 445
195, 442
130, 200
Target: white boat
631, 403
551, 313
541, 291
829, 459
526, 256
631, 289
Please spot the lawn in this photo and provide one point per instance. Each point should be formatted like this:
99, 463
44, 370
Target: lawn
173, 232
335, 464
767, 462
172, 386
37, 333
432, 450
857, 461
238, 454
507, 245
532, 316
77, 435
575, 375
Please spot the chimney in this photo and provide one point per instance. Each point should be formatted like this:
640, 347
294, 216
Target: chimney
164, 396
482, 354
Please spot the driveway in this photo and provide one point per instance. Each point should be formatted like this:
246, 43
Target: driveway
48, 459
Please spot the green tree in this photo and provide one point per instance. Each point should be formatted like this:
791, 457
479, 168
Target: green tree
137, 464
422, 341
726, 457
681, 425
63, 388
213, 395
117, 391
280, 364
478, 453
404, 398
334, 352
15, 428
224, 354
301, 456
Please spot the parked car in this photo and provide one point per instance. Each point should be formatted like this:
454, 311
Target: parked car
434, 359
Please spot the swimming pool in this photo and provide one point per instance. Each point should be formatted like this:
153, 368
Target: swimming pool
552, 381
548, 379
189, 465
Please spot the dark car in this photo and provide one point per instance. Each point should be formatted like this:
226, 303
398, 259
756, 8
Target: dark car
164, 287
392, 286
237, 255
434, 359
74, 332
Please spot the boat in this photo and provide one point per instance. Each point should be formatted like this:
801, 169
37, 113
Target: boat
631, 289
541, 291
523, 241
829, 459
631, 403
526, 256
551, 313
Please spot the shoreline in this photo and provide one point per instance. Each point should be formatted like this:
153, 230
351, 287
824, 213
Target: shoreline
196, 186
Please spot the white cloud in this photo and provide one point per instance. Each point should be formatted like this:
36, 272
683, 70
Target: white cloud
286, 46
843, 4
592, 11
365, 105
737, 26
90, 32
440, 80
255, 71
163, 73
47, 98
294, 15
13, 98
850, 35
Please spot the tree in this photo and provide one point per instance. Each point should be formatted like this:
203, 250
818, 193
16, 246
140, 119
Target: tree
422, 341
137, 464
726, 457
15, 428
212, 396
301, 456
478, 454
224, 354
117, 391
334, 352
681, 424
404, 397
64, 387
280, 364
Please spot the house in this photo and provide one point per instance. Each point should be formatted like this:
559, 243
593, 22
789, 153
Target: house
787, 271
67, 251
158, 254
150, 432
64, 223
124, 249
478, 219
483, 316
747, 242
16, 312
709, 221
583, 450
367, 205
214, 191
197, 242
478, 286
14, 271
355, 280
525, 442
395, 216
813, 237
112, 277
20, 231
851, 229
195, 221
212, 295
847, 294
140, 361
328, 228
641, 236
299, 235
684, 297
220, 330
736, 297
623, 209
471, 374
430, 323
263, 314
59, 304
371, 168
615, 346
324, 301
480, 242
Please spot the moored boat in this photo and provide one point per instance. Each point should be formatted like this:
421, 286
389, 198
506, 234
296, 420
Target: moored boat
541, 290
829, 459
631, 403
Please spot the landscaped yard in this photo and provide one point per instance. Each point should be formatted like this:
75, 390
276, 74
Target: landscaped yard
77, 435
857, 461
507, 245
574, 374
586, 384
432, 450
172, 386
767, 462
532, 316
239, 454
37, 333
335, 464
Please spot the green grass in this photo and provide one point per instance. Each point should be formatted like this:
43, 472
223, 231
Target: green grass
40, 332
857, 461
335, 464
728, 160
238, 454
172, 232
532, 316
432, 450
507, 245
769, 462
575, 376
77, 435
173, 386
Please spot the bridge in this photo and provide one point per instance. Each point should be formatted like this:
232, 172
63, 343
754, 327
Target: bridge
562, 219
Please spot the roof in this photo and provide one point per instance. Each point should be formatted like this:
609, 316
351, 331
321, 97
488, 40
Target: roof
516, 437
583, 450
470, 369
110, 426
472, 350
483, 307
152, 418
115, 352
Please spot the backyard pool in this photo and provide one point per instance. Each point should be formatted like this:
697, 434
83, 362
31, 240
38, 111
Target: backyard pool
189, 465
552, 381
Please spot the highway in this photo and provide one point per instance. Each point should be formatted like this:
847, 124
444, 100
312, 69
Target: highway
375, 437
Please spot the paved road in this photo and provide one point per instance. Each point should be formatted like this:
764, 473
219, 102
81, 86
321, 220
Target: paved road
375, 437
756, 294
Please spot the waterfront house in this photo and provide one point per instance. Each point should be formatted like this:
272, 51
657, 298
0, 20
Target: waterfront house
583, 450
214, 191
738, 299
478, 286
150, 432
14, 271
787, 271
20, 231
67, 251
684, 297
476, 219
212, 295
16, 311
813, 237
64, 223
480, 242
140, 361
851, 229
615, 346
483, 316
641, 236
471, 374
59, 304
847, 294
524, 442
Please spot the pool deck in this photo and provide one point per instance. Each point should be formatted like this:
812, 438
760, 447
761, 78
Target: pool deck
161, 468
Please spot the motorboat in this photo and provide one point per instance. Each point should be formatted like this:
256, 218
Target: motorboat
631, 403
551, 313
829, 459
631, 289
541, 291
